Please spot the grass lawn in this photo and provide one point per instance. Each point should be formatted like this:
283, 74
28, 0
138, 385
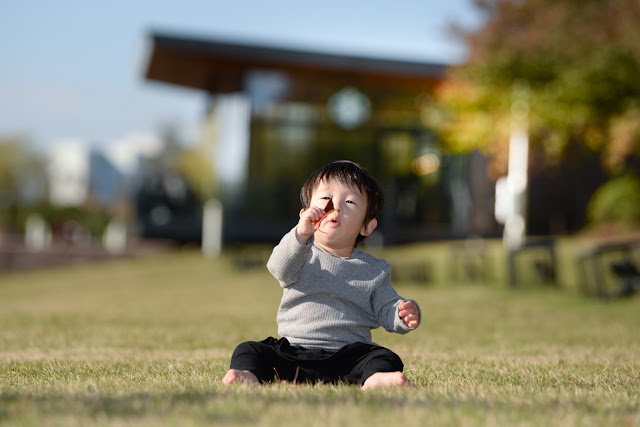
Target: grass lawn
147, 342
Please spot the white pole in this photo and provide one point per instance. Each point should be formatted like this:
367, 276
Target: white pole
212, 228
516, 222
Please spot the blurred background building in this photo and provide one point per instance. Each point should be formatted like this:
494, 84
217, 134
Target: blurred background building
277, 114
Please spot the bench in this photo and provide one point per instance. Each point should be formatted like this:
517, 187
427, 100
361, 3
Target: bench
610, 269
537, 255
470, 261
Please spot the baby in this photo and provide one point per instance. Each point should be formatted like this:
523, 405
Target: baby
333, 293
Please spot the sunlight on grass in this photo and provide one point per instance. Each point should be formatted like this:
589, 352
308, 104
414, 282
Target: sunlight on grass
147, 342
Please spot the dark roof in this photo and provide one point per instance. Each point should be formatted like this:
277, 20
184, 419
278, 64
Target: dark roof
218, 65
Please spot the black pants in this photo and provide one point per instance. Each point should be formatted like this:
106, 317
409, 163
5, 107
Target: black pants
273, 359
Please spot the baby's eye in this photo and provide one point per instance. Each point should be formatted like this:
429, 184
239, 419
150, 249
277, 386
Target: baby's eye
325, 198
351, 202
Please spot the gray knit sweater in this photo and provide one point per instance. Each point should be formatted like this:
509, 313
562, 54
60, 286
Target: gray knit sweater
329, 301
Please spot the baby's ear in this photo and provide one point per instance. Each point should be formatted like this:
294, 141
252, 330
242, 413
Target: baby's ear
369, 227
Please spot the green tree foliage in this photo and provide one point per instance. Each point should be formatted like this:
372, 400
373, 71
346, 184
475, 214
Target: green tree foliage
617, 201
22, 179
579, 62
17, 164
192, 162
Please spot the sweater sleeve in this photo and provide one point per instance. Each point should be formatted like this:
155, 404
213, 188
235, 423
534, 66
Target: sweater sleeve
386, 301
288, 258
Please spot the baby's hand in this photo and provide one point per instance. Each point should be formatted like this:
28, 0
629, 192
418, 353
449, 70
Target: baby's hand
305, 229
409, 313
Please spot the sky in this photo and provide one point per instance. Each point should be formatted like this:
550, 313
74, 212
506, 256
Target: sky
74, 69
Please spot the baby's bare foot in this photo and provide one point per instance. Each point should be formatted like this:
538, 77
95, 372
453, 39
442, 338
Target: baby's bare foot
240, 377
386, 379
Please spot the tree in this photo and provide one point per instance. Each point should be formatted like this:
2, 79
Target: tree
192, 162
576, 61
22, 180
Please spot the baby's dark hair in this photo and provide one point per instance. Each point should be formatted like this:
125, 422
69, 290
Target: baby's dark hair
351, 174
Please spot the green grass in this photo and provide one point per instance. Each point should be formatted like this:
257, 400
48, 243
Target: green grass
147, 341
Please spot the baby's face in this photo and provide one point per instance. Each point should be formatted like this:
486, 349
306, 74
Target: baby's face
338, 231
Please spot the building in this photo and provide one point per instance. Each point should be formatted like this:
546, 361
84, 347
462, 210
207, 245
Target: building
79, 175
277, 114
69, 170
